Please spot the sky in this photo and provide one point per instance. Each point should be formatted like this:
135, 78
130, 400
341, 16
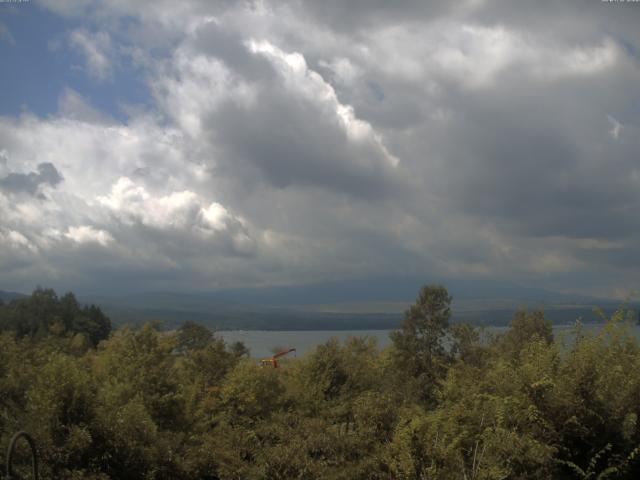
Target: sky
203, 145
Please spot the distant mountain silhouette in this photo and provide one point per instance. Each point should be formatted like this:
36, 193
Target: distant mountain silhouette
8, 296
387, 289
361, 304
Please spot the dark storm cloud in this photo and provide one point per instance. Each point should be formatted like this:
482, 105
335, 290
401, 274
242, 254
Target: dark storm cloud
532, 151
301, 149
571, 19
500, 122
30, 183
229, 46
364, 14
287, 137
515, 126
574, 19
540, 159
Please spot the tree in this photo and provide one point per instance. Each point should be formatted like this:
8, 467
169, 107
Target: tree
193, 336
526, 327
467, 344
419, 344
238, 349
69, 308
43, 314
93, 323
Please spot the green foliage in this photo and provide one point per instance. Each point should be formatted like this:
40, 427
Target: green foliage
192, 336
44, 314
443, 402
419, 349
525, 328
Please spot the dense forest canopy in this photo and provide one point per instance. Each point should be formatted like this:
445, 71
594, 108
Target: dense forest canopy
43, 314
443, 401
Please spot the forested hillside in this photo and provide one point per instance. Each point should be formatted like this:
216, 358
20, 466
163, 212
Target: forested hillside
444, 401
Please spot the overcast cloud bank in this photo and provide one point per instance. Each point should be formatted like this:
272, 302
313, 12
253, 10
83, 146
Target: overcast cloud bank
301, 141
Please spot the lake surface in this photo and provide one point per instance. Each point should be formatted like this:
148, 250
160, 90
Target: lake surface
262, 343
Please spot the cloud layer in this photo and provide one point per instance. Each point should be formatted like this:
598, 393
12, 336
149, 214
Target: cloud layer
287, 142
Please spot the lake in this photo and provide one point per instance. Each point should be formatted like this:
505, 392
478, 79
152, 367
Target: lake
262, 342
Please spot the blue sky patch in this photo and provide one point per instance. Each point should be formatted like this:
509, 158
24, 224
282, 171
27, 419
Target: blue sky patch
39, 64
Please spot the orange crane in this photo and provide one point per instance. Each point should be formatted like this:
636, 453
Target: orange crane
274, 360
